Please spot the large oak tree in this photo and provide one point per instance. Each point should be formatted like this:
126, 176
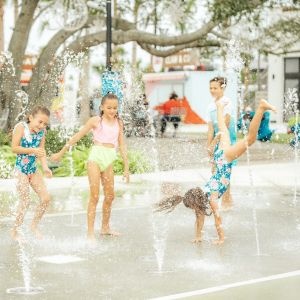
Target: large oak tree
53, 58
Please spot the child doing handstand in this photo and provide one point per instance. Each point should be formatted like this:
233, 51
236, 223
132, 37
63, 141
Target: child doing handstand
206, 201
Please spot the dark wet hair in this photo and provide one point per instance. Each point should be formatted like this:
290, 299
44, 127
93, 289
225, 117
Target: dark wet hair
173, 96
221, 80
193, 198
38, 109
108, 96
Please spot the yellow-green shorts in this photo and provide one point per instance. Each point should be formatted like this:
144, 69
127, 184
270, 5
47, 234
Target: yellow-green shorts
102, 156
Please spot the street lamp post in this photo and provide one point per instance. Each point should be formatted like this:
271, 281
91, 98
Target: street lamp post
108, 34
111, 80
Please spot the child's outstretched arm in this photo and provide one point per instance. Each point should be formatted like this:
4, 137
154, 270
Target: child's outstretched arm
123, 151
91, 123
213, 144
198, 227
16, 140
43, 159
210, 135
218, 220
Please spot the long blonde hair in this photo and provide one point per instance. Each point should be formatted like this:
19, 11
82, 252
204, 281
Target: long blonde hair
194, 198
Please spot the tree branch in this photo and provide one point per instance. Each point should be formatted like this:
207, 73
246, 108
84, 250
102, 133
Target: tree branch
219, 35
42, 10
173, 50
141, 37
43, 64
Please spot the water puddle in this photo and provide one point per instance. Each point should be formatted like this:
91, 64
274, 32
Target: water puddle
60, 259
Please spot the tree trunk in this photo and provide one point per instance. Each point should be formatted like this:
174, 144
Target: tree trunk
17, 47
115, 8
45, 74
1, 26
16, 11
19, 39
49, 67
134, 45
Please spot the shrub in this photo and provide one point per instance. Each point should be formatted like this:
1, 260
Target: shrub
5, 138
7, 162
79, 156
56, 139
292, 121
137, 163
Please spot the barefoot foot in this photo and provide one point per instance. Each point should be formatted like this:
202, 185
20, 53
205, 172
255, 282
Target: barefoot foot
91, 237
226, 207
110, 233
37, 233
218, 242
196, 240
265, 105
14, 235
17, 237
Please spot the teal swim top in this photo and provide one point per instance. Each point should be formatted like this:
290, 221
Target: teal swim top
26, 163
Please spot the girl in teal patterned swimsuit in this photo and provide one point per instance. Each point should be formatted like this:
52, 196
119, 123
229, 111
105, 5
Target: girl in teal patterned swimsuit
205, 201
28, 143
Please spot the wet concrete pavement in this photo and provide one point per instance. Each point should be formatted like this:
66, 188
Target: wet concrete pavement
154, 257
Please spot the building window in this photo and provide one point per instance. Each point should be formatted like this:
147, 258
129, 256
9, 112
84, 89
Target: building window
292, 75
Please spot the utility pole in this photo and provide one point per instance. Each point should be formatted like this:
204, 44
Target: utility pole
108, 34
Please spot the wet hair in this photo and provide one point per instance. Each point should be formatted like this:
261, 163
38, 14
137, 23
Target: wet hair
108, 96
173, 96
38, 109
221, 80
193, 198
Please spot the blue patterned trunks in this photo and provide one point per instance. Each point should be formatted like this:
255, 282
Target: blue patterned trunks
218, 183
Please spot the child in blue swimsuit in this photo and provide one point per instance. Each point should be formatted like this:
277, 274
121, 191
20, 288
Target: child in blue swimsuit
205, 201
28, 143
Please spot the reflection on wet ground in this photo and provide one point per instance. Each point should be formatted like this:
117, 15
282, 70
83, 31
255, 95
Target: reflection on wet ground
154, 249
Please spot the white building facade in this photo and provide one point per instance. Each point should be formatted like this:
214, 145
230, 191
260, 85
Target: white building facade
194, 85
283, 74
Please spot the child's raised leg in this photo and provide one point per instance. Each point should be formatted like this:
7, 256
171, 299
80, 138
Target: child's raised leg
108, 186
235, 151
94, 176
223, 130
218, 221
24, 200
227, 199
38, 185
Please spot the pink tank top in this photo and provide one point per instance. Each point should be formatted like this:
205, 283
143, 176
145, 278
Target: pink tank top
106, 134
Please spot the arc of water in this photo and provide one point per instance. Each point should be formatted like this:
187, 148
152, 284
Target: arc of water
291, 107
297, 131
25, 266
234, 64
72, 184
22, 97
132, 96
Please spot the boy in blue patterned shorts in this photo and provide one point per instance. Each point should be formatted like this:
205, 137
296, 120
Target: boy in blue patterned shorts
205, 202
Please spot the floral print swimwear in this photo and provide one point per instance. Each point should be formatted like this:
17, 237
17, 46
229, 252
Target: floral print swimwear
26, 163
220, 180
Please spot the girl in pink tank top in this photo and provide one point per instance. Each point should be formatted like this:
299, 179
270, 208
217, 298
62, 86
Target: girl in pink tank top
107, 132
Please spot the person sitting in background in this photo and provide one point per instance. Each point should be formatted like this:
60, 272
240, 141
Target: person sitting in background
264, 132
295, 129
171, 113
